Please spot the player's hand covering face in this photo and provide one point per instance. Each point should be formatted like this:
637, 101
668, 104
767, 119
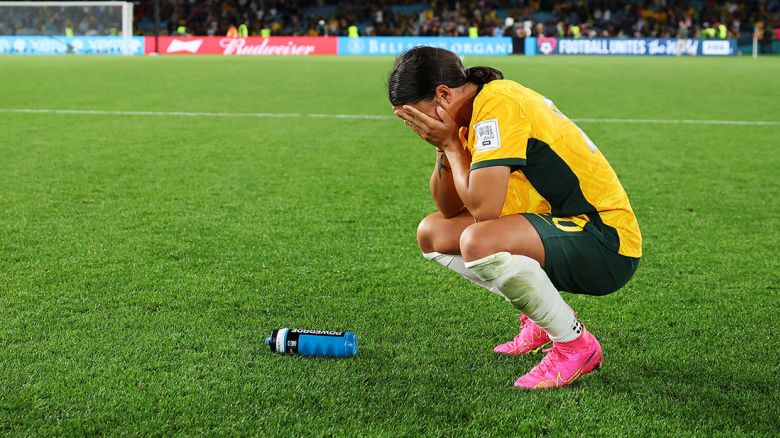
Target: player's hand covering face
438, 128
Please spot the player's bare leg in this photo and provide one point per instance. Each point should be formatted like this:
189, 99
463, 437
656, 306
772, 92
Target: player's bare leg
440, 234
439, 240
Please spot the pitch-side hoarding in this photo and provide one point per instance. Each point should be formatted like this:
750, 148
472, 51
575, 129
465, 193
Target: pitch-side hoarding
258, 46
305, 46
82, 45
632, 47
483, 46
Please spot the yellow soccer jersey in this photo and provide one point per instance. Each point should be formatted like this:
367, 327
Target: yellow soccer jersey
556, 168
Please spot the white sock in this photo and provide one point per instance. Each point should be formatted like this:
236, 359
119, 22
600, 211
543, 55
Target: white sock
525, 284
456, 263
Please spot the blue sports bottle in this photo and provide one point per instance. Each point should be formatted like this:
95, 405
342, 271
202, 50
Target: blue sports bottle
313, 342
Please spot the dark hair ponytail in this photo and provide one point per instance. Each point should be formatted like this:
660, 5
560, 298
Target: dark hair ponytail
482, 75
419, 71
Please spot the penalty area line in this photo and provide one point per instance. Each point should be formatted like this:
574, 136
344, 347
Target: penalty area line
188, 114
357, 116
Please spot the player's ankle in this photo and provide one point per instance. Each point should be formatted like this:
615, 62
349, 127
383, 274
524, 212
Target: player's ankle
581, 340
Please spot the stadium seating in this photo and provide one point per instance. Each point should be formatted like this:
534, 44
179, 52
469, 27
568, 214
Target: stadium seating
602, 18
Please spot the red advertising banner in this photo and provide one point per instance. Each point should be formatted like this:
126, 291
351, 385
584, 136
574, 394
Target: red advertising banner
258, 46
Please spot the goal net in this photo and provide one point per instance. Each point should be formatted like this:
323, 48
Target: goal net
58, 27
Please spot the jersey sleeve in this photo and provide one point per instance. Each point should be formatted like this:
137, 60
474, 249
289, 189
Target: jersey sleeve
499, 133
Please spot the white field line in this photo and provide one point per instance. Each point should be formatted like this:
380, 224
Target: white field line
357, 116
681, 122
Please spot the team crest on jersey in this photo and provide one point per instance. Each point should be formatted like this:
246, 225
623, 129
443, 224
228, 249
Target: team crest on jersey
487, 135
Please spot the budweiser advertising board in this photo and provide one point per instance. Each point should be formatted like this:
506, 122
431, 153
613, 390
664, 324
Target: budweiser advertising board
258, 46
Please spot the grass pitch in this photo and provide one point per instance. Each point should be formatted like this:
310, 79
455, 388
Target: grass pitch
143, 259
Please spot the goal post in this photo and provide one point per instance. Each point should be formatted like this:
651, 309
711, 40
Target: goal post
65, 20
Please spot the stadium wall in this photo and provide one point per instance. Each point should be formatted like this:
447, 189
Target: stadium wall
344, 46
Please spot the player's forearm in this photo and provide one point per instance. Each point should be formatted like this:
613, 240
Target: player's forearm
443, 189
460, 163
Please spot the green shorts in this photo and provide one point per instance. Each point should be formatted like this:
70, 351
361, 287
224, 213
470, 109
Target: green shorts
577, 261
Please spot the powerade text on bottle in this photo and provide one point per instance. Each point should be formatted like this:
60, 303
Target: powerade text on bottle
313, 342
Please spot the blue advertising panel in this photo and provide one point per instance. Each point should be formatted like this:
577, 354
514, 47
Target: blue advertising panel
49, 45
631, 47
483, 46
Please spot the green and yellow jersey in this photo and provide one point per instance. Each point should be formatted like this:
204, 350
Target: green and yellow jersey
556, 168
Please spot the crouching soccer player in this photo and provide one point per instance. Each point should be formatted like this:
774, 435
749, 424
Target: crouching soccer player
527, 205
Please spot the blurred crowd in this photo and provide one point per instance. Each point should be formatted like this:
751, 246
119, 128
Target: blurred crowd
571, 18
516, 18
60, 21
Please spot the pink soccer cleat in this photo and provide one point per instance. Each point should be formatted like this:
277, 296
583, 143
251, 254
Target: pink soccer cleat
565, 362
530, 339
